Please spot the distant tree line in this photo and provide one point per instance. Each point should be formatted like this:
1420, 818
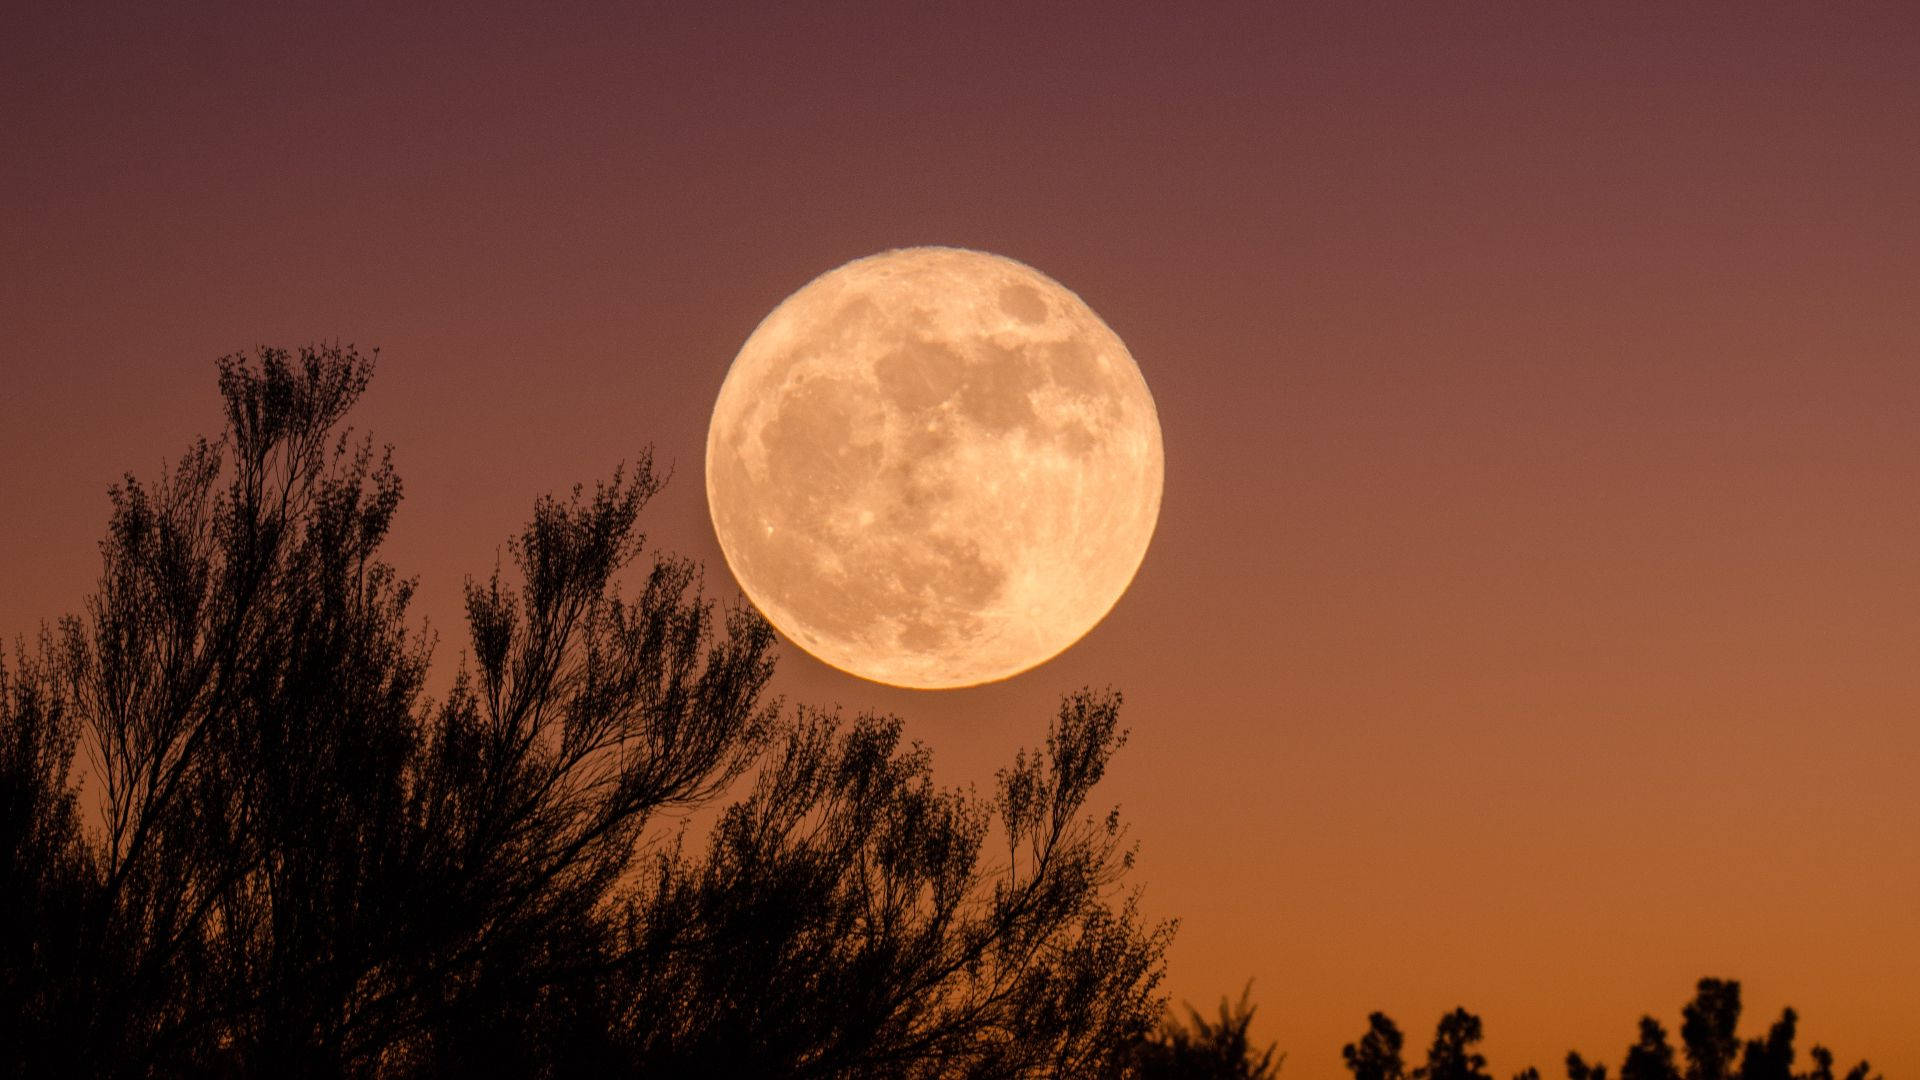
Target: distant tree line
1712, 1049
1201, 1049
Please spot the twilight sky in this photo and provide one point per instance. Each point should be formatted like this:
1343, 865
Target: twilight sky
1533, 621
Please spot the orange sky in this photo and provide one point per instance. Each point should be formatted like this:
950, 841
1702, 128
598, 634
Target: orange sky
1533, 618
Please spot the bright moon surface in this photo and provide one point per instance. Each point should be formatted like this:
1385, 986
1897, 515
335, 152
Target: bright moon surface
934, 467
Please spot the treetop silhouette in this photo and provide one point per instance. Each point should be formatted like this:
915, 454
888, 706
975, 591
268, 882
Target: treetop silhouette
305, 866
1203, 1049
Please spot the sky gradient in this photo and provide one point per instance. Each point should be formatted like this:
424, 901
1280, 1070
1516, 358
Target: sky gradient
1533, 622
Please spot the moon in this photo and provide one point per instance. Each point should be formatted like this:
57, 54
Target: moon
934, 468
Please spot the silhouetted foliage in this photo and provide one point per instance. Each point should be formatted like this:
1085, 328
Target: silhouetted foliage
1578, 1069
1377, 1055
1708, 1029
304, 866
46, 873
1202, 1049
1650, 1058
1771, 1058
837, 923
1452, 1055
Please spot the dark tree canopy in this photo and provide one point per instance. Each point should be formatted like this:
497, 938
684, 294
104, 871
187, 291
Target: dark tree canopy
1650, 1058
1452, 1055
1707, 1029
1579, 1069
1771, 1058
303, 865
1377, 1055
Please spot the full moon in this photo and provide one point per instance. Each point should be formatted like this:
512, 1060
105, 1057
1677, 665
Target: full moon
934, 467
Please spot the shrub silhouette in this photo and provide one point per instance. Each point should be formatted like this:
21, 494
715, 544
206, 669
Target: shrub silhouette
1202, 1049
303, 866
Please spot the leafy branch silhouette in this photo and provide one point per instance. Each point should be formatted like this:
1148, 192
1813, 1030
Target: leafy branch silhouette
303, 865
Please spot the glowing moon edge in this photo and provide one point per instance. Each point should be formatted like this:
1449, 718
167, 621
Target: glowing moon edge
934, 468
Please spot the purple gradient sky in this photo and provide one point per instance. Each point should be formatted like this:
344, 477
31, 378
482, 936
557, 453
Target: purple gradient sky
1532, 621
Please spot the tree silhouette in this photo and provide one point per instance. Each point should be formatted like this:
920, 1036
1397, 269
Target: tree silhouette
1202, 1049
46, 870
1771, 1058
304, 866
1651, 1058
1707, 1029
1452, 1055
1578, 1069
836, 924
1377, 1055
